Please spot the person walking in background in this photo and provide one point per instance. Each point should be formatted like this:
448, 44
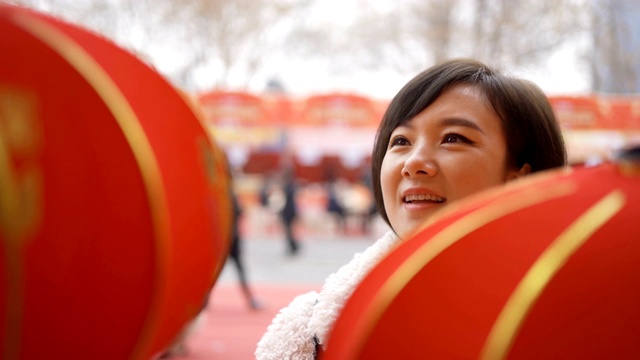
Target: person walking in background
235, 255
289, 212
334, 207
280, 197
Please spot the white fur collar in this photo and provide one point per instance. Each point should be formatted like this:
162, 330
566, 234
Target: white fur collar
340, 285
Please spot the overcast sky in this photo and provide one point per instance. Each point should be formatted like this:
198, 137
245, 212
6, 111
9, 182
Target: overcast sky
564, 72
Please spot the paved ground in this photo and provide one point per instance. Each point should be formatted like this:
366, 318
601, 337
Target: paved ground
229, 329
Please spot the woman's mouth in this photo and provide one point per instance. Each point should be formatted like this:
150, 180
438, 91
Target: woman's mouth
422, 198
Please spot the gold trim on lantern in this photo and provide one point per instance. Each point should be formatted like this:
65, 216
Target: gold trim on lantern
21, 203
446, 238
514, 313
140, 145
9, 204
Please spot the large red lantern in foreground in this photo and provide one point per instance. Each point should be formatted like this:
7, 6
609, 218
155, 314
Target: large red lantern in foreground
541, 269
114, 208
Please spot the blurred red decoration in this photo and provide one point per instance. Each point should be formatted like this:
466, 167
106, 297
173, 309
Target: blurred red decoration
114, 207
546, 268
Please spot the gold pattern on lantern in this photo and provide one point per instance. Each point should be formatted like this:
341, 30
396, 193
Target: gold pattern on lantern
21, 177
21, 198
629, 167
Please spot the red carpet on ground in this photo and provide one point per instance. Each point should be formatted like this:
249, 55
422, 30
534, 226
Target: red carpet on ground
229, 329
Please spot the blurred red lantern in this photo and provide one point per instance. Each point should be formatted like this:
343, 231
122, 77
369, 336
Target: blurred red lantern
114, 207
544, 268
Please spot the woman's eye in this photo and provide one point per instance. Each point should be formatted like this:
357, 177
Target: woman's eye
454, 138
398, 141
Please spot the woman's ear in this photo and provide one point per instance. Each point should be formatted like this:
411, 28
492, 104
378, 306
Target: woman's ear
514, 174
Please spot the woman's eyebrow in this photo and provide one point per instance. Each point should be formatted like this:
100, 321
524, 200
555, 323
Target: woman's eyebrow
405, 125
461, 122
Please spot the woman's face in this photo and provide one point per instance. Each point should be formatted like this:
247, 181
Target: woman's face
452, 149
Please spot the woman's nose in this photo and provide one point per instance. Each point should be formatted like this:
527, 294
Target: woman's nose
419, 163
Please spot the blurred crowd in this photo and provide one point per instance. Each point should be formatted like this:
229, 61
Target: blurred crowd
312, 209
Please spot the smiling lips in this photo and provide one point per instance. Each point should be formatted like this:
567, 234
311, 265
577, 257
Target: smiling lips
422, 198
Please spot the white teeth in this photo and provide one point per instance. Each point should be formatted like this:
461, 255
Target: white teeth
423, 197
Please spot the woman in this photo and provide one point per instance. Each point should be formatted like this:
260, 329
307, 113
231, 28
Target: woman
455, 129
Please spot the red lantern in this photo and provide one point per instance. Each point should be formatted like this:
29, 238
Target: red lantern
114, 207
543, 268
